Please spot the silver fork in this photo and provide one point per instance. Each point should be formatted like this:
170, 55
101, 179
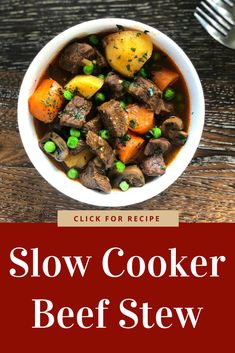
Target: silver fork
217, 17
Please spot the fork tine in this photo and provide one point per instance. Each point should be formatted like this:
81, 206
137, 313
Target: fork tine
229, 3
211, 30
222, 12
212, 22
216, 16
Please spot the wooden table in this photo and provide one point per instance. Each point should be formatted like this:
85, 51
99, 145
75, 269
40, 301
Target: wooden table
204, 193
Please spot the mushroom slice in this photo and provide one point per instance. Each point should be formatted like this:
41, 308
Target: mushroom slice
154, 165
61, 152
93, 177
79, 160
157, 146
172, 123
94, 125
132, 174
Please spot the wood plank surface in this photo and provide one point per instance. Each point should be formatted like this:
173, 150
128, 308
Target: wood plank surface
206, 190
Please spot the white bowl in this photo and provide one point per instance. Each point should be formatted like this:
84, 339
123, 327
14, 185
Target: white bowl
74, 189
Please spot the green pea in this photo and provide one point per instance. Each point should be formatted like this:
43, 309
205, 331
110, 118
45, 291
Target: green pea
122, 104
169, 94
100, 97
72, 142
68, 95
88, 69
104, 134
75, 132
49, 147
93, 39
120, 167
72, 173
156, 132
124, 186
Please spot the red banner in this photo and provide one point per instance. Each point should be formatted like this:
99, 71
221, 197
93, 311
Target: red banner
117, 289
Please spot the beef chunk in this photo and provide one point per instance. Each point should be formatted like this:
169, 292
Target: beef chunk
113, 83
114, 118
177, 138
93, 177
167, 108
75, 112
94, 125
153, 166
101, 148
157, 146
72, 57
147, 92
172, 123
59, 75
80, 147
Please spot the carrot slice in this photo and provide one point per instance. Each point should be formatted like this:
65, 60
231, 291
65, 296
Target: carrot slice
164, 78
140, 119
130, 148
46, 101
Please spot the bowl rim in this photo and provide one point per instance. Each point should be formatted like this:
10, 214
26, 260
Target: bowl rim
92, 197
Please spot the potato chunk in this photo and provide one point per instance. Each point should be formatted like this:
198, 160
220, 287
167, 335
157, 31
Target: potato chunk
79, 160
85, 85
127, 51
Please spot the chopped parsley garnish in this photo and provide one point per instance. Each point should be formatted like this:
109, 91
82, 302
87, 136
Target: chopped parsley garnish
132, 123
126, 83
128, 67
150, 91
124, 139
182, 137
60, 113
146, 31
78, 116
119, 57
133, 49
114, 46
129, 60
170, 126
145, 55
49, 102
138, 34
120, 27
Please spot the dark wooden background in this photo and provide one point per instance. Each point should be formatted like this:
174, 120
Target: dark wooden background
206, 190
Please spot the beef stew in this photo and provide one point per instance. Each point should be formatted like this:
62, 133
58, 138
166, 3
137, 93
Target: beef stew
118, 105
